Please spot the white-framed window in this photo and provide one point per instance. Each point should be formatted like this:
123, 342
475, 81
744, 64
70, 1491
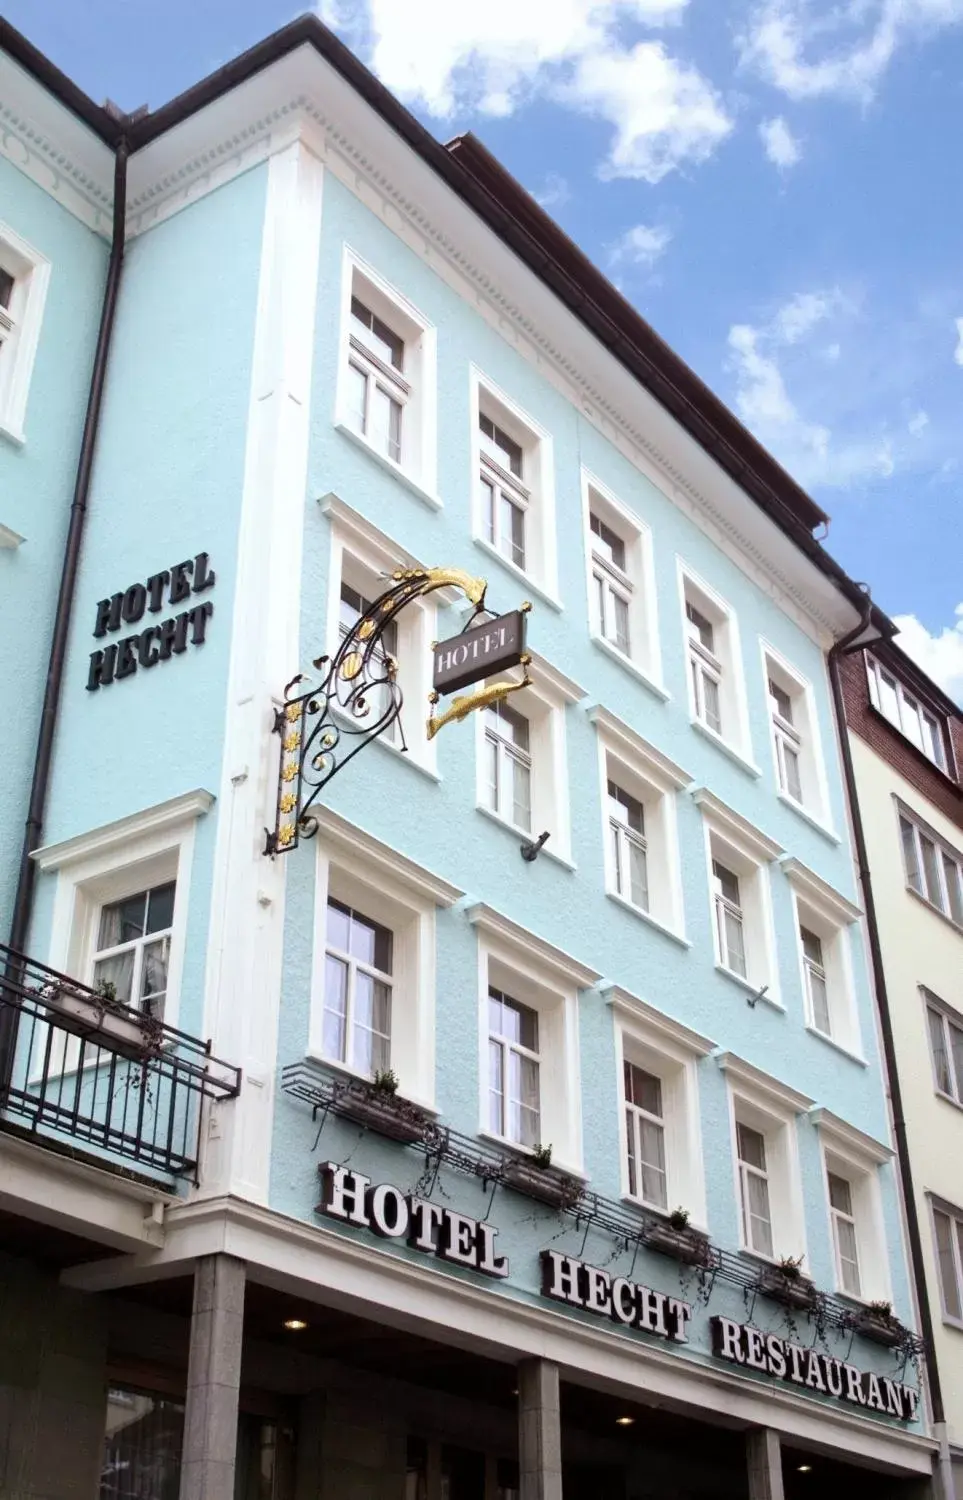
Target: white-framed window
658, 1061
373, 975
768, 1186
24, 277
945, 1031
934, 869
906, 712
825, 920
362, 559
639, 788
387, 380
738, 856
522, 775
513, 485
121, 902
948, 1242
851, 1168
796, 742
621, 582
529, 1074
717, 690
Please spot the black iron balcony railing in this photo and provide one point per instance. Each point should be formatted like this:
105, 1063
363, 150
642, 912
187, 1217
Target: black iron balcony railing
84, 1073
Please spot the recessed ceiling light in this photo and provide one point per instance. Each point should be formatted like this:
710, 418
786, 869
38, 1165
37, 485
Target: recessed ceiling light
624, 1421
804, 1469
294, 1325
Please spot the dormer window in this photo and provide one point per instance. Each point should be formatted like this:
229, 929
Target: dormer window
905, 711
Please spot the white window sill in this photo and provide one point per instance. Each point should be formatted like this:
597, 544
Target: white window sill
519, 1150
863, 1304
948, 1099
662, 1214
751, 989
345, 1071
837, 1046
810, 818
9, 538
526, 578
628, 665
14, 435
645, 916
388, 464
407, 757
525, 837
924, 901
724, 745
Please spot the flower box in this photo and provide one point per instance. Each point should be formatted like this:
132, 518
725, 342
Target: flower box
686, 1245
547, 1185
791, 1291
384, 1112
90, 1017
887, 1331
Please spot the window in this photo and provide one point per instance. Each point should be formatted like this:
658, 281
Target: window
948, 1231
906, 713
741, 902
754, 1197
377, 699
946, 1047
509, 760
645, 1136
785, 741
513, 1063
933, 869
844, 1233
133, 948
717, 700
357, 991
706, 669
24, 275
613, 590
639, 789
621, 583
815, 970
514, 487
824, 922
373, 979
387, 389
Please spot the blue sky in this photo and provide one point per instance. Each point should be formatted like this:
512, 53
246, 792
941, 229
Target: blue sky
772, 182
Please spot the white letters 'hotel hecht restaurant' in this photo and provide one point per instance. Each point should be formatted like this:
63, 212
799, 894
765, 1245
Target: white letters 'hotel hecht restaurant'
390, 1112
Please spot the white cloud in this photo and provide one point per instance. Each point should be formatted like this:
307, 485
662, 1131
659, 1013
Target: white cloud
797, 318
554, 192
642, 245
940, 656
844, 49
958, 351
447, 58
779, 143
918, 422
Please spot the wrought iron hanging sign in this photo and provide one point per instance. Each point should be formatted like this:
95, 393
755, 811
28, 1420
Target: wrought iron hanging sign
359, 696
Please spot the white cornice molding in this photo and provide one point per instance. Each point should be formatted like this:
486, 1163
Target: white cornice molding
622, 738
753, 1082
554, 683
545, 955
10, 538
55, 149
157, 819
819, 893
375, 543
849, 1140
654, 1022
734, 826
340, 835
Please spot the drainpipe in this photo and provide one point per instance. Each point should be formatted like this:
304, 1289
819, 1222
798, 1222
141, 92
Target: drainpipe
844, 647
23, 900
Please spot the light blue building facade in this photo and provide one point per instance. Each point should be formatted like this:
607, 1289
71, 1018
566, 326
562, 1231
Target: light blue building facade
609, 1105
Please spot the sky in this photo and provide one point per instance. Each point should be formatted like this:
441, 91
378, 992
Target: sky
773, 183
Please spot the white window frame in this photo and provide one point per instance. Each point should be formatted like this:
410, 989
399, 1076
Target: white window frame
910, 708
537, 974
636, 584
359, 550
748, 853
771, 1107
831, 917
535, 491
352, 967
387, 887
946, 853
145, 849
543, 704
940, 1205
802, 736
849, 1153
655, 780
949, 1019
416, 387
724, 664
672, 1053
20, 328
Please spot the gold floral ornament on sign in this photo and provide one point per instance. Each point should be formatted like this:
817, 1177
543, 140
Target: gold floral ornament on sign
359, 696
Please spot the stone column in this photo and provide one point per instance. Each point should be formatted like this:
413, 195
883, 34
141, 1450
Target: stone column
213, 1379
539, 1431
764, 1460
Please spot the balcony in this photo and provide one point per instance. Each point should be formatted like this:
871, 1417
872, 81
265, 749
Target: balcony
88, 1077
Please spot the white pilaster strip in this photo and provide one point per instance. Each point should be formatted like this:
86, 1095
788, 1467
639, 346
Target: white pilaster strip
245, 948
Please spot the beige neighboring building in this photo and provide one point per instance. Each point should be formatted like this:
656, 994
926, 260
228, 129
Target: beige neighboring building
906, 741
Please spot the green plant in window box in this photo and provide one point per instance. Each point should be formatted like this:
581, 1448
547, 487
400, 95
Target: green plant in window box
534, 1175
378, 1106
542, 1156
786, 1283
679, 1218
675, 1237
878, 1322
386, 1081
